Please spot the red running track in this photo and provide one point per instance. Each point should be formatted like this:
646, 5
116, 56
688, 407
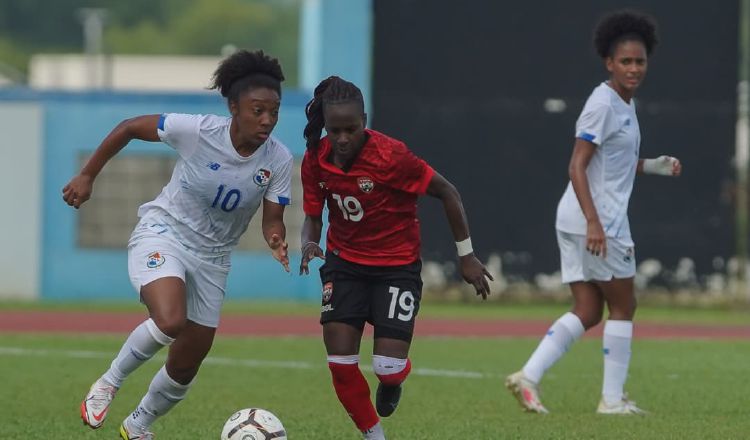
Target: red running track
95, 322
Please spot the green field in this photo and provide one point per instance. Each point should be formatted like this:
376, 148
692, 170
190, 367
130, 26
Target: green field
693, 389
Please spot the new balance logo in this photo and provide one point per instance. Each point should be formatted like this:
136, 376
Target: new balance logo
214, 166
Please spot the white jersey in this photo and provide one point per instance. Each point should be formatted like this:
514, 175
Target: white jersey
611, 124
214, 191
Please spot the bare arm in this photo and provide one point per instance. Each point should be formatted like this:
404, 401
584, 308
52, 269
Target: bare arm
311, 231
79, 189
472, 270
274, 231
583, 151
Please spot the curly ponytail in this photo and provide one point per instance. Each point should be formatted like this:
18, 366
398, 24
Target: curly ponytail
332, 90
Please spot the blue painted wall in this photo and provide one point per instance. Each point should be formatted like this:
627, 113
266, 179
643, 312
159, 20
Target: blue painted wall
75, 123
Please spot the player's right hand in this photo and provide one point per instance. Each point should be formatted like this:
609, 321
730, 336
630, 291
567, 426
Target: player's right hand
309, 251
78, 190
596, 241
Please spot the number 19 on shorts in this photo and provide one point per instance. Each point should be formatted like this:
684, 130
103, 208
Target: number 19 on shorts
402, 304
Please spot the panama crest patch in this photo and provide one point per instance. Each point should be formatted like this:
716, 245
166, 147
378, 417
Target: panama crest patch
154, 260
262, 177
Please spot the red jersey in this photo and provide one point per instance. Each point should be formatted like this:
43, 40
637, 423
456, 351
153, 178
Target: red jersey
372, 208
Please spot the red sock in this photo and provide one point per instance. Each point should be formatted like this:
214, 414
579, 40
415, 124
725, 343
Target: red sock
354, 393
395, 378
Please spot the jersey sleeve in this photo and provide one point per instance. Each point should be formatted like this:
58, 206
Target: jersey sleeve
313, 198
280, 189
407, 172
180, 131
596, 123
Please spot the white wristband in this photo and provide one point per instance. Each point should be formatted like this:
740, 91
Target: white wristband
464, 247
662, 165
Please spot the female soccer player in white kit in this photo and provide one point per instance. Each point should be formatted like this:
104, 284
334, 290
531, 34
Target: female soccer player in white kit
179, 253
593, 233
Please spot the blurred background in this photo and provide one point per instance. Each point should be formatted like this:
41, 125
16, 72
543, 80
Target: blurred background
486, 92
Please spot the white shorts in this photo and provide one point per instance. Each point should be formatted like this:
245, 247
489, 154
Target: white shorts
578, 264
153, 254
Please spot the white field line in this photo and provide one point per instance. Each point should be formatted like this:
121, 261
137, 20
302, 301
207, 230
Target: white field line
249, 363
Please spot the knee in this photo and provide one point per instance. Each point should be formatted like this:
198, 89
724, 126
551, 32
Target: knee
590, 319
171, 326
182, 374
344, 369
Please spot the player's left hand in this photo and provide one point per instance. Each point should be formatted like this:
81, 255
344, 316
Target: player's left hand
474, 273
279, 250
676, 167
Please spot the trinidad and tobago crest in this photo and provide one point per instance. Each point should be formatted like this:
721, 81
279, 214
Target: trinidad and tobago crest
365, 184
262, 177
327, 291
154, 260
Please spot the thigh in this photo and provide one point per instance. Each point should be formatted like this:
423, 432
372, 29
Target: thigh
619, 293
345, 293
188, 351
588, 302
152, 257
395, 305
206, 287
572, 251
391, 347
342, 338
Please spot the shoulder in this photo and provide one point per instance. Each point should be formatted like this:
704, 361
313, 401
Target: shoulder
386, 148
196, 121
277, 150
600, 100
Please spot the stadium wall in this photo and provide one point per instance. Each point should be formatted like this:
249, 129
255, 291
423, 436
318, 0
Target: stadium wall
48, 134
489, 92
21, 125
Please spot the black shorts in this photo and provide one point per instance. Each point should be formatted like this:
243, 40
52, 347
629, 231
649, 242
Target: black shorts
385, 296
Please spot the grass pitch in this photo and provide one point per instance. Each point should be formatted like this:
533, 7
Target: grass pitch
693, 389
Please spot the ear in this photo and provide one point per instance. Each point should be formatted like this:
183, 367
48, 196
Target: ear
609, 63
233, 108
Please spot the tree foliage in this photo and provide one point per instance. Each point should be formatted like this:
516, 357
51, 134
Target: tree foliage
182, 27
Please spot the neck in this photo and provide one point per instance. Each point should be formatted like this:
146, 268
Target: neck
625, 94
244, 147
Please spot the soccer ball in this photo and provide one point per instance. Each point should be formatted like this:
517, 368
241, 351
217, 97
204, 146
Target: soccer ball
253, 424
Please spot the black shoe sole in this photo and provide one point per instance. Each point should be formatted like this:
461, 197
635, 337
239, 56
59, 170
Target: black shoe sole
386, 399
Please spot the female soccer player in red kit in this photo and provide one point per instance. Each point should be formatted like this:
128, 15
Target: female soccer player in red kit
371, 183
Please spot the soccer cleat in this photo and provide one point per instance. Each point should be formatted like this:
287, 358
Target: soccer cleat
624, 406
126, 435
95, 405
526, 392
386, 399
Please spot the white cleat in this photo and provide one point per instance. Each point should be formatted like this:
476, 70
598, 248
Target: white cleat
125, 433
624, 406
526, 392
95, 405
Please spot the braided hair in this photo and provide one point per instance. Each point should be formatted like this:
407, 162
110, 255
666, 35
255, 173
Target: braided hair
621, 26
244, 70
332, 90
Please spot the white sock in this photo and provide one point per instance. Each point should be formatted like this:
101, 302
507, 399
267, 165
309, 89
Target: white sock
555, 343
142, 344
163, 394
616, 343
384, 365
374, 433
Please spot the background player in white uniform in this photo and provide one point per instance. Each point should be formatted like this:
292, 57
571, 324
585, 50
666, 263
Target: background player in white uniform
596, 249
179, 253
